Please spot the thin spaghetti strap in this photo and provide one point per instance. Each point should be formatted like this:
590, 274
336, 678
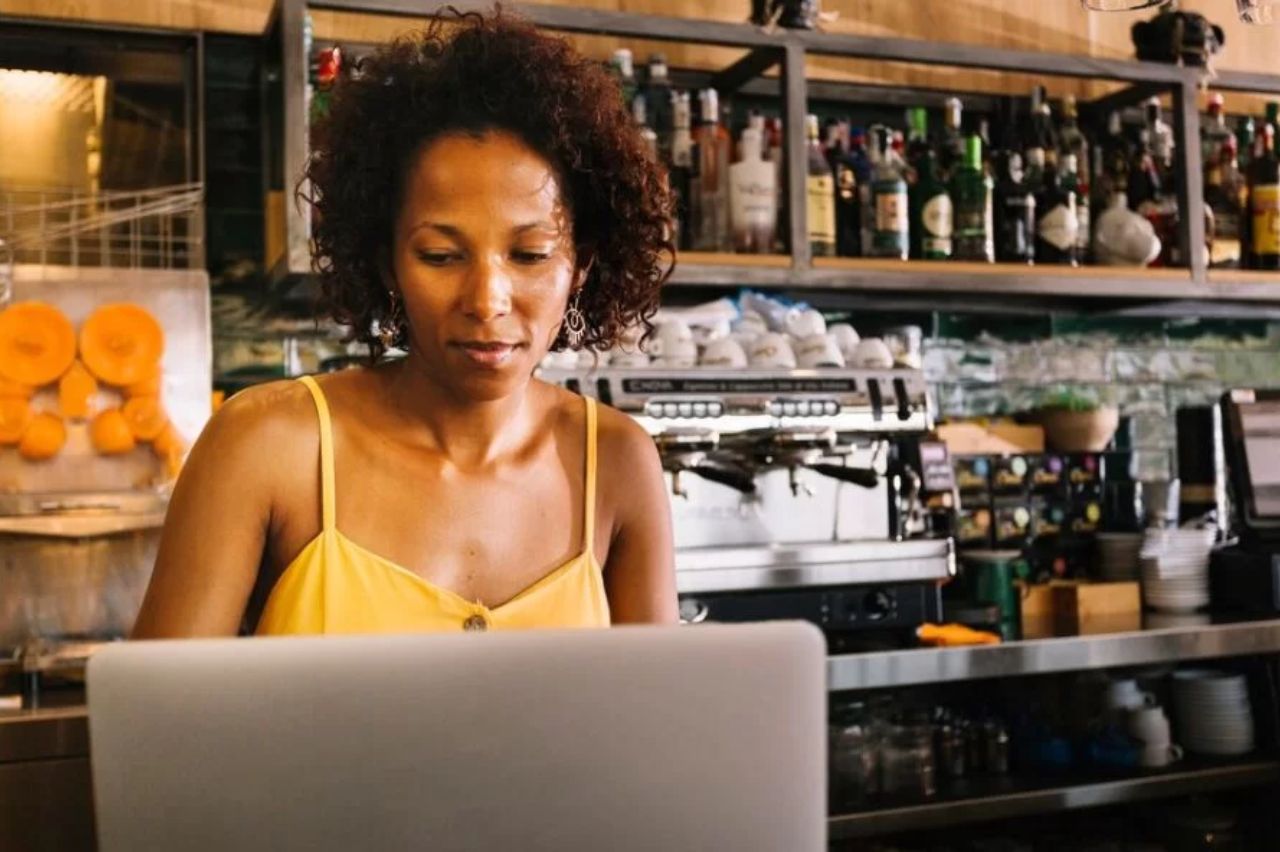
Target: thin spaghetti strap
329, 515
589, 491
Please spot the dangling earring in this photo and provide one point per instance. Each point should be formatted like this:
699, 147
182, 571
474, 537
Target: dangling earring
575, 323
390, 327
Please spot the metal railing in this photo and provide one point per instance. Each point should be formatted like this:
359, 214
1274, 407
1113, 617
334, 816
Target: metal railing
158, 228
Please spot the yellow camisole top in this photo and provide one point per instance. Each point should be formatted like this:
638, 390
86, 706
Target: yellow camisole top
336, 586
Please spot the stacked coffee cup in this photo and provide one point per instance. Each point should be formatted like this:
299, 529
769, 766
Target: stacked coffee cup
1145, 721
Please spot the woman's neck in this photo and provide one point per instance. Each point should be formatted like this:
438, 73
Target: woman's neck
471, 433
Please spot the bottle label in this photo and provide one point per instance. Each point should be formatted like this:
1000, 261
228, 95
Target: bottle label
890, 237
846, 183
821, 207
1060, 227
1266, 219
937, 216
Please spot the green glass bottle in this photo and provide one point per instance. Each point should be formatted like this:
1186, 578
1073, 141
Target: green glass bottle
971, 192
931, 213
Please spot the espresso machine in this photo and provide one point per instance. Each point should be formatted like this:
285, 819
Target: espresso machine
792, 494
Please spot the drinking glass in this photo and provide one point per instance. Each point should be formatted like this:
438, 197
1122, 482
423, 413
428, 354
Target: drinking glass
1120, 5
1257, 11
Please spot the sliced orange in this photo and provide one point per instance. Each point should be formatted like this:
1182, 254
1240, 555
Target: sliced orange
37, 343
44, 437
121, 344
146, 417
15, 417
75, 389
15, 390
168, 442
110, 433
149, 386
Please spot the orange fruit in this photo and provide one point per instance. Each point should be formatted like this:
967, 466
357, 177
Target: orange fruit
149, 386
37, 343
44, 437
146, 417
75, 388
14, 390
15, 417
168, 442
110, 433
121, 344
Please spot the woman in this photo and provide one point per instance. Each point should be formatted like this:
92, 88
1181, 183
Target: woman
480, 198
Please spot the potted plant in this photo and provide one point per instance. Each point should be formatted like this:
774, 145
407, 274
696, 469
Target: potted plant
1076, 421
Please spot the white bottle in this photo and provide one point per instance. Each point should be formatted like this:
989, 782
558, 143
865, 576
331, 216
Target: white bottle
753, 212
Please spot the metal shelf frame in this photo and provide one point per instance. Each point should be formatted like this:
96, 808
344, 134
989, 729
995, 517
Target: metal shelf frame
788, 49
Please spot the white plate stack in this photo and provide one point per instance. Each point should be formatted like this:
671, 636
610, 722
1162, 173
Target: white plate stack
1174, 564
1213, 712
1118, 556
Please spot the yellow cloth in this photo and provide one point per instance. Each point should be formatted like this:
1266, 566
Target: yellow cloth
336, 586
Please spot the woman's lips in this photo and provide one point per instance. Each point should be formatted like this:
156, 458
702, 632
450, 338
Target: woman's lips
487, 354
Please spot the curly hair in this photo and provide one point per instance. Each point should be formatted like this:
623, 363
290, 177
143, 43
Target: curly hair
474, 73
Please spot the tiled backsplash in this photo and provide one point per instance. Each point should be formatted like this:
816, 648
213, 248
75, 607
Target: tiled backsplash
1148, 369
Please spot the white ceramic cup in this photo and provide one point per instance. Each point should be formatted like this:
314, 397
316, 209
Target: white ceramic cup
772, 351
627, 358
726, 353
818, 350
845, 336
872, 353
805, 323
1154, 756
1149, 725
677, 355
1125, 695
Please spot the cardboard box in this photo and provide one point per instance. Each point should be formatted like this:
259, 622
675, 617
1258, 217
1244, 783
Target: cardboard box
997, 438
1076, 608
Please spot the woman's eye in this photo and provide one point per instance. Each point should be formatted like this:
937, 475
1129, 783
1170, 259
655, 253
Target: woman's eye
531, 256
436, 258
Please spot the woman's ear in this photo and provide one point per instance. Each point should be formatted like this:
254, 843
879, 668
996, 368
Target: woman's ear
581, 272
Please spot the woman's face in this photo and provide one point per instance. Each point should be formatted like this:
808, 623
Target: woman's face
483, 258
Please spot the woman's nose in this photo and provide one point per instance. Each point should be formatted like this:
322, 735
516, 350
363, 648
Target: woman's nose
488, 290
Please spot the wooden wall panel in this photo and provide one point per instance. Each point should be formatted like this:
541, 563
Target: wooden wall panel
1050, 25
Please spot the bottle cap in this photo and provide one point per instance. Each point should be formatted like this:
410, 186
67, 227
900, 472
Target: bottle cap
623, 62
750, 143
918, 122
973, 152
951, 108
811, 127
1216, 103
709, 106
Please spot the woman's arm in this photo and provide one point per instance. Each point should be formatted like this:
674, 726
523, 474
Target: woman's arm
640, 573
216, 527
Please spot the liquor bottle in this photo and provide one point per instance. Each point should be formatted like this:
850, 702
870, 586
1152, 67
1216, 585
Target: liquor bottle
1225, 193
657, 92
1273, 117
753, 211
819, 195
712, 146
640, 115
931, 216
682, 167
971, 195
1076, 184
1245, 134
1214, 131
1072, 141
775, 155
1057, 222
1015, 211
1264, 202
1041, 130
917, 136
951, 148
846, 169
1160, 206
890, 230
623, 68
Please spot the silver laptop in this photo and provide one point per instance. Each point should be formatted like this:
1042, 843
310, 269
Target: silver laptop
641, 738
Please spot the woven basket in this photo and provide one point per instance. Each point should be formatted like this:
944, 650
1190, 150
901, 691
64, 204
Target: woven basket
1079, 431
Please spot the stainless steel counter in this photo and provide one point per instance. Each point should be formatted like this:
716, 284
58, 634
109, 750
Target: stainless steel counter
1045, 656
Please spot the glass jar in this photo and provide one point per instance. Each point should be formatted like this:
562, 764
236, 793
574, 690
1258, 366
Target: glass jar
907, 762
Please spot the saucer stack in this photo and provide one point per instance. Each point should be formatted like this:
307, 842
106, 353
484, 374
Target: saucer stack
1118, 556
1174, 566
1213, 711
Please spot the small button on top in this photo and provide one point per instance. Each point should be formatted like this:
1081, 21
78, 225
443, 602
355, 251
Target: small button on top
789, 409
699, 409
475, 623
670, 409
686, 409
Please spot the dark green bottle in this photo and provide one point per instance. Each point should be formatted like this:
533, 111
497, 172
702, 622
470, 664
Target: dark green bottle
932, 216
971, 191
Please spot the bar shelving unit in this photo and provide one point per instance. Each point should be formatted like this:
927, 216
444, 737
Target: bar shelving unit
1235, 291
